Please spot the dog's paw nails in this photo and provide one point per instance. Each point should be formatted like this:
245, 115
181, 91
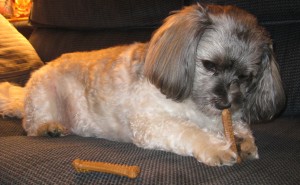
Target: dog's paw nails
54, 133
52, 129
56, 130
217, 157
248, 150
225, 159
249, 155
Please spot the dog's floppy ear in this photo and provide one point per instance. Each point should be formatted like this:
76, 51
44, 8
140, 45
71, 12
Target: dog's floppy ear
170, 59
266, 96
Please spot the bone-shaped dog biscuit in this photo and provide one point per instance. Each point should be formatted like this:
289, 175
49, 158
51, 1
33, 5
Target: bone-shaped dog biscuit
117, 169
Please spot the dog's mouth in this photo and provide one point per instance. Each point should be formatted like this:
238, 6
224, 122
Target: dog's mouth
220, 103
223, 105
215, 108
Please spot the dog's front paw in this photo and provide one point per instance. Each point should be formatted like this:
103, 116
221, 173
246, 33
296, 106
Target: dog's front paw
247, 148
216, 155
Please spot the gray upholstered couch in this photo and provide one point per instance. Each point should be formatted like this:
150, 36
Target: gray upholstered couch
61, 26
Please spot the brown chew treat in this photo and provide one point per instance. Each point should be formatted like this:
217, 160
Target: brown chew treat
228, 131
117, 169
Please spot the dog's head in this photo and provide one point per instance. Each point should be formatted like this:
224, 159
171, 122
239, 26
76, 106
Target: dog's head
219, 57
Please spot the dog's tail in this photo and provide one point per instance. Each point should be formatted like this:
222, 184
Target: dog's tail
11, 100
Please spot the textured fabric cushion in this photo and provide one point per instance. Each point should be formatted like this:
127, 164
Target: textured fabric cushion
17, 57
267, 11
11, 127
98, 14
44, 160
61, 41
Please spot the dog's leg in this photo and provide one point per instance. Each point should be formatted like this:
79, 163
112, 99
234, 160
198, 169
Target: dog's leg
43, 115
245, 141
181, 137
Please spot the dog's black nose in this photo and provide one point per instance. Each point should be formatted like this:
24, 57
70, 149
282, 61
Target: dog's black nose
223, 105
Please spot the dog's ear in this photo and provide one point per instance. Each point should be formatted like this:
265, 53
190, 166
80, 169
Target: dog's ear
170, 59
266, 96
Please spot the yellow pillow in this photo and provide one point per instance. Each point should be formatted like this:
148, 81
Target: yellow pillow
17, 56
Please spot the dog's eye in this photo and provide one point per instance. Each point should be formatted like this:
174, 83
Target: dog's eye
242, 77
209, 65
245, 77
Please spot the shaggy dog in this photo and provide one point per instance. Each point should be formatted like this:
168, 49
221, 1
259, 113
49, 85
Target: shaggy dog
167, 94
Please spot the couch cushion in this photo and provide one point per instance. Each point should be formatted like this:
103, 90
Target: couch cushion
17, 57
98, 14
44, 160
61, 41
11, 127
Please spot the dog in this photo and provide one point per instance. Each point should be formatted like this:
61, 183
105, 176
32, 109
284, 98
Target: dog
167, 94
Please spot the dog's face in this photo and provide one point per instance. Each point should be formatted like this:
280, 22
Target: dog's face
220, 58
228, 60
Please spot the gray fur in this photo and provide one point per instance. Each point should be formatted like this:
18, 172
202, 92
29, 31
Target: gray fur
246, 75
